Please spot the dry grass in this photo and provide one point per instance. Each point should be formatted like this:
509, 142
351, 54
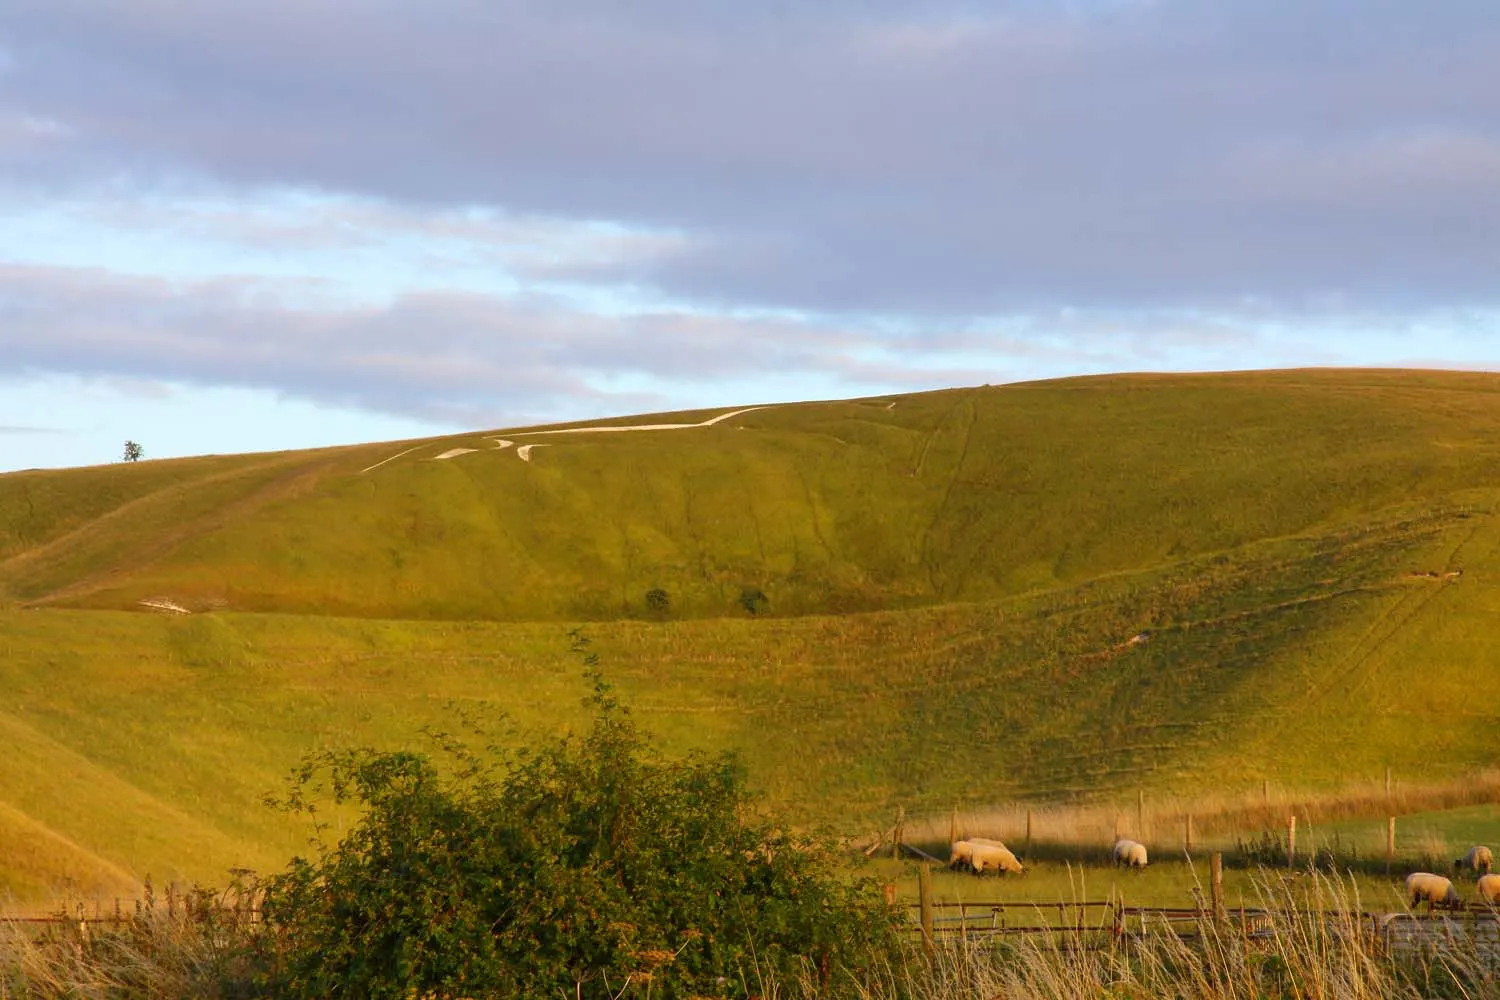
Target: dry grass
202, 946
1313, 943
1221, 819
1313, 940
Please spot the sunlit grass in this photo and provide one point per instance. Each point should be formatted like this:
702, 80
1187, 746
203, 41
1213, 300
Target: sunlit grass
1063, 593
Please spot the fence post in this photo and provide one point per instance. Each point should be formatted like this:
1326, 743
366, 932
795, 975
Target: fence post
1390, 842
953, 826
1216, 881
924, 899
1028, 833
1187, 835
1387, 784
1291, 840
1140, 814
1117, 827
889, 889
898, 832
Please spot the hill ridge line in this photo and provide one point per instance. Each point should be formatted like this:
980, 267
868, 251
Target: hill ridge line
295, 464
524, 451
617, 428
43, 549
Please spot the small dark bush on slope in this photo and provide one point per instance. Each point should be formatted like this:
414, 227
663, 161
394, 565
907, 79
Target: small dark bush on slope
584, 866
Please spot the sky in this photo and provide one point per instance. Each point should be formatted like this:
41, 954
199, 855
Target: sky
232, 226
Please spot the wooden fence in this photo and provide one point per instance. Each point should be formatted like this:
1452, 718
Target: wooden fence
170, 905
1110, 923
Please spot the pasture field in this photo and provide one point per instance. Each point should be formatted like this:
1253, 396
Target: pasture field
1355, 849
1058, 593
1171, 882
1432, 837
1070, 858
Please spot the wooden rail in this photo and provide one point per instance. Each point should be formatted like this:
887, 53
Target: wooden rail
1113, 923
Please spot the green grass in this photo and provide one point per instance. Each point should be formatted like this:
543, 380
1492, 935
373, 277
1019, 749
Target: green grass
1080, 868
1432, 838
960, 495
1170, 883
1052, 592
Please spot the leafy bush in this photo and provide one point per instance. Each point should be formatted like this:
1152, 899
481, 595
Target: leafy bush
583, 866
754, 601
658, 601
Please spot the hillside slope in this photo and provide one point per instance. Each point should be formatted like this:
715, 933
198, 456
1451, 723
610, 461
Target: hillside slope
824, 508
1050, 591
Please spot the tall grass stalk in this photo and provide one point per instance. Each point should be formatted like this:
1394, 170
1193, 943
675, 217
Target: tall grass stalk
1310, 941
207, 951
1313, 943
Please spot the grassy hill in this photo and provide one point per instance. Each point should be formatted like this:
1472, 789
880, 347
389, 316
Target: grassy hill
1052, 590
825, 508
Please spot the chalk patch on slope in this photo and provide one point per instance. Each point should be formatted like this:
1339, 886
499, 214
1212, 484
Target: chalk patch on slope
391, 459
162, 604
524, 452
612, 429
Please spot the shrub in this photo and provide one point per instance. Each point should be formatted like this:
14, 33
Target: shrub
658, 601
584, 866
754, 601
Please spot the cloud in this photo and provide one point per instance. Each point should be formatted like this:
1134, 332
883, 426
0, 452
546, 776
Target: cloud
468, 359
442, 355
282, 221
939, 160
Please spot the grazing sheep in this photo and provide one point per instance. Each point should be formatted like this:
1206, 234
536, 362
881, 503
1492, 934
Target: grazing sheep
1489, 888
1434, 890
1478, 859
1130, 854
988, 857
960, 852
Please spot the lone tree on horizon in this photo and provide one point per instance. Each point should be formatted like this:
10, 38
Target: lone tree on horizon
133, 452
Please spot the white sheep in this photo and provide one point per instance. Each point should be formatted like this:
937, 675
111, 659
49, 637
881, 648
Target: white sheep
1478, 859
989, 857
1489, 888
960, 852
1434, 890
1130, 854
